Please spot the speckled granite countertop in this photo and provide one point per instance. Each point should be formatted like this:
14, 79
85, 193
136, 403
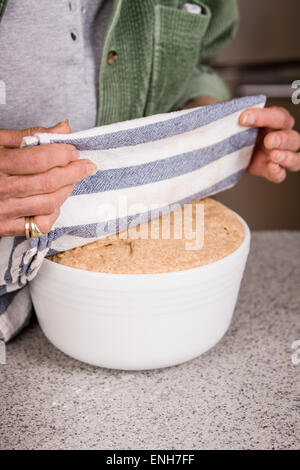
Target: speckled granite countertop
243, 394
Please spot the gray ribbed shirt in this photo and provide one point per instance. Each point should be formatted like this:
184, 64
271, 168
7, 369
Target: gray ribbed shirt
49, 61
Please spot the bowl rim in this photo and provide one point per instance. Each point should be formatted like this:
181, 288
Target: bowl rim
135, 276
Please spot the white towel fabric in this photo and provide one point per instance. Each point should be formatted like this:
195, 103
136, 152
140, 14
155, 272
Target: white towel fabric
147, 166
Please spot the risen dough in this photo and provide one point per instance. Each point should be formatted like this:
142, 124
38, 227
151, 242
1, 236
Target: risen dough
223, 234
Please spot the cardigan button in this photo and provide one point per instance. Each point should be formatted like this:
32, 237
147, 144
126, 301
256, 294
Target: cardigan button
112, 57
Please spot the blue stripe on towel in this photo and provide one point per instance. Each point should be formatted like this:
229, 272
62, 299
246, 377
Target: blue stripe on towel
160, 130
158, 170
6, 300
99, 229
16, 243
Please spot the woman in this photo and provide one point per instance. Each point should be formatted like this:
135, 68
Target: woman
97, 62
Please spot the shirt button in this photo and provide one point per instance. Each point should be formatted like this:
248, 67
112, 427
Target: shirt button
73, 36
112, 57
72, 6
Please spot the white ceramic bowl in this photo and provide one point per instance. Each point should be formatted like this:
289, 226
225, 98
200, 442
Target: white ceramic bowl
138, 321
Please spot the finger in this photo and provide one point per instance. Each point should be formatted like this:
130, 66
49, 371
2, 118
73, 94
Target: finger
13, 138
275, 173
45, 222
34, 160
285, 140
286, 159
48, 182
274, 117
16, 227
34, 205
258, 165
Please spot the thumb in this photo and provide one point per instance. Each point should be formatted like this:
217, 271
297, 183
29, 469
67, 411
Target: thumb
13, 138
60, 128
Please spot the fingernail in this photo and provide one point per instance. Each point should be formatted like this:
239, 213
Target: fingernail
275, 168
91, 168
247, 119
66, 121
275, 142
278, 157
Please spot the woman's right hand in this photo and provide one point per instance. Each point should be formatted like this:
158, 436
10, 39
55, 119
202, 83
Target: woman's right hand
36, 181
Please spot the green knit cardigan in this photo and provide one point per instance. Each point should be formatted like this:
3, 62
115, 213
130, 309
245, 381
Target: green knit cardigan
157, 52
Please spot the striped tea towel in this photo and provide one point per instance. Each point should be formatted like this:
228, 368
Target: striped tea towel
147, 167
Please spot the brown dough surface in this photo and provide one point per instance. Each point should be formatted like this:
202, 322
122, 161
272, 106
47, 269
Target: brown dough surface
223, 234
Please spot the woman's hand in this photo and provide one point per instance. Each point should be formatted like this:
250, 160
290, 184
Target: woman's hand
277, 144
37, 180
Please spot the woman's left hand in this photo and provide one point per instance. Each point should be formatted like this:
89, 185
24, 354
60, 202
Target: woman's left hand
277, 144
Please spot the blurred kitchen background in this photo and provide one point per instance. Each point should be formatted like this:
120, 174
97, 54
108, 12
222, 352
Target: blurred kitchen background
264, 58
